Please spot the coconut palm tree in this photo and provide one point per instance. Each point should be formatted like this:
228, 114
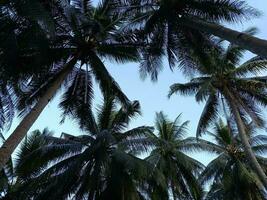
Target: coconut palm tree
84, 36
22, 33
221, 77
175, 21
168, 157
11, 188
98, 165
229, 175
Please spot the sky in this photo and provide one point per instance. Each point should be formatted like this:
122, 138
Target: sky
152, 96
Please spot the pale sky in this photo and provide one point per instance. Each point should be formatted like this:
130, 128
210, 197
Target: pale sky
152, 96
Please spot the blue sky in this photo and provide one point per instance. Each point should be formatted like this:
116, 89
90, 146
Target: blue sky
152, 96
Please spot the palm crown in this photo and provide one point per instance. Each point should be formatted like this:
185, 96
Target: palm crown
244, 94
84, 35
166, 32
219, 76
229, 174
92, 34
168, 157
97, 165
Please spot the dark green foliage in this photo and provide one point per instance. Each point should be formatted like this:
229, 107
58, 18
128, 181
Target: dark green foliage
11, 186
39, 37
163, 28
168, 157
229, 174
91, 32
97, 165
22, 42
218, 76
103, 163
37, 53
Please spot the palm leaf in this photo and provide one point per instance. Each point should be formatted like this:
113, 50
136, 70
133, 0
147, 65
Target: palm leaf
184, 89
107, 83
208, 115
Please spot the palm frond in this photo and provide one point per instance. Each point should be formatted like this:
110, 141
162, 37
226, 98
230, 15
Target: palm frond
230, 11
184, 89
138, 132
124, 115
107, 83
76, 101
105, 113
208, 115
253, 66
213, 169
120, 53
193, 144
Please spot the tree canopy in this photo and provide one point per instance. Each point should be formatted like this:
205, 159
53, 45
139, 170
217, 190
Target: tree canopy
51, 47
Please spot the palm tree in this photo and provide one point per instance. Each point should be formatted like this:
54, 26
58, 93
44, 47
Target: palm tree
175, 21
98, 165
10, 186
84, 36
168, 157
23, 34
229, 174
219, 77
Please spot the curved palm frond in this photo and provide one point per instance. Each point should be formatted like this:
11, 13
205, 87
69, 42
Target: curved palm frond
208, 115
184, 89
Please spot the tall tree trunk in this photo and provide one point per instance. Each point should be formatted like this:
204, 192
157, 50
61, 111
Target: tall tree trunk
228, 121
173, 195
245, 140
225, 112
173, 191
19, 133
255, 45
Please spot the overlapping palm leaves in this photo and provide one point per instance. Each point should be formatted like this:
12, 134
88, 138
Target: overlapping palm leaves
97, 165
218, 72
84, 36
168, 156
229, 175
94, 33
24, 46
164, 28
102, 164
219, 77
11, 188
183, 18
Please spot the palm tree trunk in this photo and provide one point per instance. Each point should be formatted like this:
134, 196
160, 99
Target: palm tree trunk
225, 112
245, 140
19, 133
228, 121
248, 150
255, 45
173, 191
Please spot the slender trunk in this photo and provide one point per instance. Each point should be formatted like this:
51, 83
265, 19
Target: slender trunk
228, 121
255, 45
19, 133
248, 150
245, 140
173, 191
225, 112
